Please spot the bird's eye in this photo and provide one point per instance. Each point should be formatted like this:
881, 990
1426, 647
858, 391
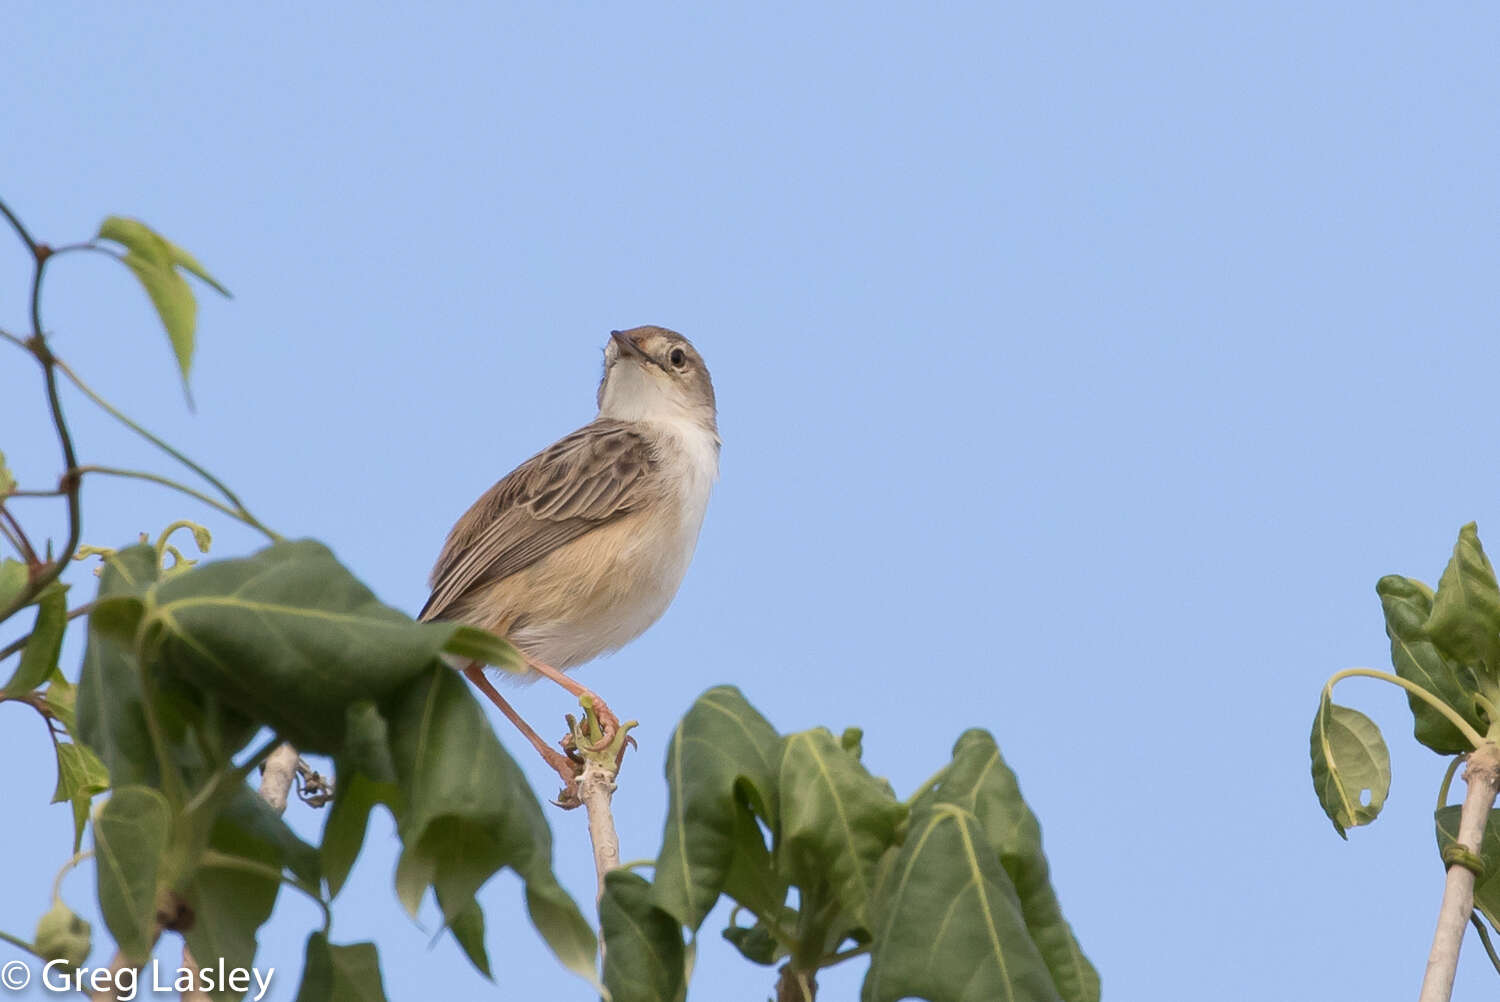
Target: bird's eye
678, 357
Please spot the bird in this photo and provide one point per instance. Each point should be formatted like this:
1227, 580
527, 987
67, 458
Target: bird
582, 547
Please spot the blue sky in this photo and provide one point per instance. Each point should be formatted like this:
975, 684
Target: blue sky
1080, 370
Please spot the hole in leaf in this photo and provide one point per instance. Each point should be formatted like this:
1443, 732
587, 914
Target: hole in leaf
1364, 798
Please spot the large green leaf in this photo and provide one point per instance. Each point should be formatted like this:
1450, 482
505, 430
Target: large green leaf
1351, 768
468, 810
231, 902
721, 764
1407, 604
109, 709
836, 819
947, 924
155, 262
1487, 888
979, 781
1465, 620
39, 657
289, 638
340, 973
644, 959
130, 838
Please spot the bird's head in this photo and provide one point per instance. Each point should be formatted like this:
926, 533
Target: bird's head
653, 374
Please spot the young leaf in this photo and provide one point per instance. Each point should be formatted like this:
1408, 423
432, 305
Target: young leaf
7, 484
80, 775
644, 959
1351, 768
979, 781
722, 755
1407, 604
13, 581
1465, 620
154, 261
340, 973
130, 836
836, 819
947, 923
61, 697
468, 811
39, 657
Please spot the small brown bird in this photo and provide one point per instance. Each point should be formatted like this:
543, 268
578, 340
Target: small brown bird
583, 546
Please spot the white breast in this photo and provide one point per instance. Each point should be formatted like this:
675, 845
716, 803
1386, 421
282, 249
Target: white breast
656, 560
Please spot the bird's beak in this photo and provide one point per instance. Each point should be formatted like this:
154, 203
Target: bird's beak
629, 346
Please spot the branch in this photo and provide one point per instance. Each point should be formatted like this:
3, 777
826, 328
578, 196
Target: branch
1482, 774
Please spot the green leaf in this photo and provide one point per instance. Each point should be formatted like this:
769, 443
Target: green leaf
7, 484
13, 580
1465, 620
155, 262
755, 942
979, 781
644, 959
366, 777
111, 719
1487, 888
287, 637
1407, 604
1351, 768
130, 836
250, 827
61, 697
483, 646
340, 973
836, 819
468, 929
80, 775
354, 796
230, 904
39, 657
62, 935
722, 762
947, 923
468, 811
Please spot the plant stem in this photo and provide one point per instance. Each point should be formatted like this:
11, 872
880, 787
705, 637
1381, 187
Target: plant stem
596, 788
1471, 735
22, 544
1482, 774
112, 471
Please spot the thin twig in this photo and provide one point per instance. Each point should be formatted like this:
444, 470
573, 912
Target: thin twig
113, 471
118, 415
21, 542
15, 223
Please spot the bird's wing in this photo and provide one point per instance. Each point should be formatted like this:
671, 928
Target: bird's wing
586, 480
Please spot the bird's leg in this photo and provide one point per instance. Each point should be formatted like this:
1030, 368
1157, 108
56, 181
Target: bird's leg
566, 767
609, 724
